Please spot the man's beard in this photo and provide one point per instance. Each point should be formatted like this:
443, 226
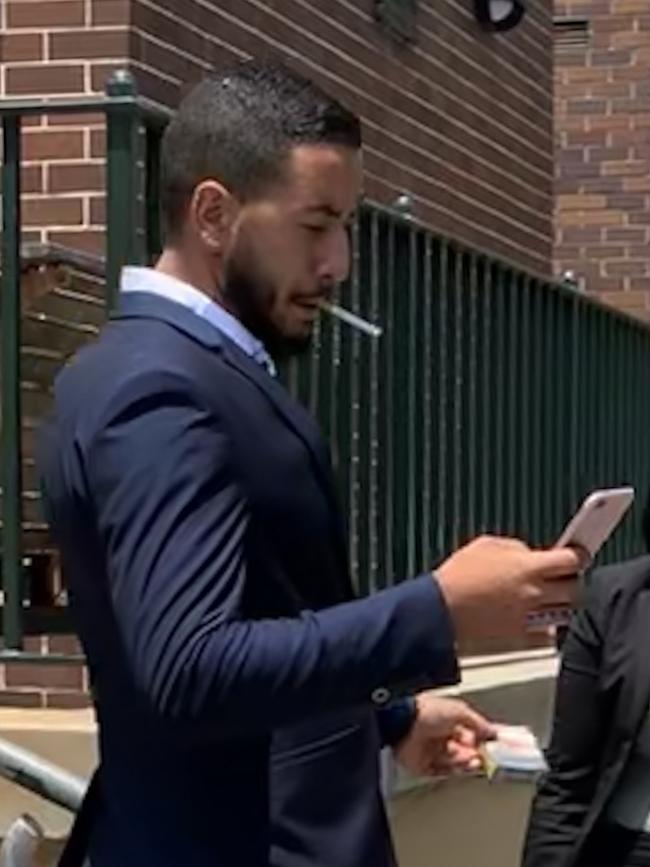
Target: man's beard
249, 295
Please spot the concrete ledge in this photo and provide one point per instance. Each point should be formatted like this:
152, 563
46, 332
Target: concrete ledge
429, 817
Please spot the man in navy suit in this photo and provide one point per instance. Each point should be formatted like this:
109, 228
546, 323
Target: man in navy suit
242, 692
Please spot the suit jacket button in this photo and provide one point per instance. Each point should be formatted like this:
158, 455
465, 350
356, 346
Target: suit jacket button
380, 695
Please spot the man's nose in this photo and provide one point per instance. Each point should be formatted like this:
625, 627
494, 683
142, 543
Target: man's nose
335, 266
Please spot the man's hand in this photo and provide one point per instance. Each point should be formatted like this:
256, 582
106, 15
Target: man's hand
492, 584
444, 738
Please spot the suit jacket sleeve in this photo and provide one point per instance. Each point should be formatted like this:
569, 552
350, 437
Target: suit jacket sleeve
172, 517
396, 720
565, 794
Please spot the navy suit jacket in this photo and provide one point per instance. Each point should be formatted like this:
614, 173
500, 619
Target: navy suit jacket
233, 672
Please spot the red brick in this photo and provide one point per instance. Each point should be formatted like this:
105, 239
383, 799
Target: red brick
56, 13
64, 644
586, 137
98, 211
628, 202
52, 212
31, 179
98, 143
600, 285
628, 137
91, 45
44, 676
627, 106
51, 145
78, 119
611, 58
110, 12
601, 155
586, 106
25, 699
625, 300
21, 47
581, 236
640, 252
46, 79
629, 268
613, 23
627, 236
76, 177
641, 284
88, 241
612, 91
33, 643
605, 252
68, 700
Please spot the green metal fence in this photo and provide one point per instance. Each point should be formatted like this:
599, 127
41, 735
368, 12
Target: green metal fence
494, 401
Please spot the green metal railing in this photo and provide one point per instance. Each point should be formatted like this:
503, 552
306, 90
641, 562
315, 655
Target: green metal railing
494, 401
127, 241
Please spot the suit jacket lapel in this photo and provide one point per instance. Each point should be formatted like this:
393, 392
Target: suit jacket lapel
293, 413
145, 305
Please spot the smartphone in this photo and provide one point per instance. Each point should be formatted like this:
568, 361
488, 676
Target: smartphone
590, 528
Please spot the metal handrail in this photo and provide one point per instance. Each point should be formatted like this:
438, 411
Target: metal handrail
45, 779
40, 776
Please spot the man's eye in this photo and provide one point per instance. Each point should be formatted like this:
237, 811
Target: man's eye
316, 228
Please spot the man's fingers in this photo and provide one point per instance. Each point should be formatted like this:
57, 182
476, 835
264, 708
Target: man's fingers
559, 562
472, 724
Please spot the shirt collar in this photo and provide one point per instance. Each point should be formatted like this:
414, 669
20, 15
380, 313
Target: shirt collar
138, 279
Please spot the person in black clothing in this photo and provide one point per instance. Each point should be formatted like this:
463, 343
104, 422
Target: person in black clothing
593, 806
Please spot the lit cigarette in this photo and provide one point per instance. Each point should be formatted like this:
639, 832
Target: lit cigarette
352, 319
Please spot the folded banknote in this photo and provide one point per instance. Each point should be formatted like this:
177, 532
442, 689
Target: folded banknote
515, 754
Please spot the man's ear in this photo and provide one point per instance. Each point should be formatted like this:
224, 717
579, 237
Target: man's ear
212, 212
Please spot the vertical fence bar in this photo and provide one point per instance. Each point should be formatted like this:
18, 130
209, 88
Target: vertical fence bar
472, 500
575, 377
513, 408
499, 407
525, 475
153, 232
122, 186
373, 492
11, 403
443, 388
486, 292
427, 404
561, 421
389, 405
458, 330
413, 415
355, 445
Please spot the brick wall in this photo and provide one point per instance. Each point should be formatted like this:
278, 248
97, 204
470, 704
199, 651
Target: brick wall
603, 152
461, 120
62, 48
34, 685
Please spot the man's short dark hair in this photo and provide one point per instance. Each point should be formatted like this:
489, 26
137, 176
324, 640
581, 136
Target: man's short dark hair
238, 126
